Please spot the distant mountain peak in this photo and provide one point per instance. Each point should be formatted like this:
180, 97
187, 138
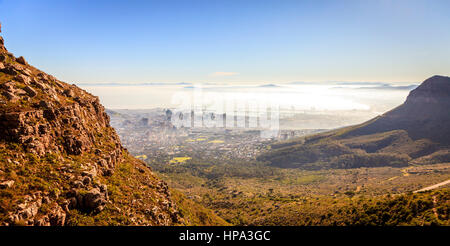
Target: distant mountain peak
424, 115
435, 89
417, 131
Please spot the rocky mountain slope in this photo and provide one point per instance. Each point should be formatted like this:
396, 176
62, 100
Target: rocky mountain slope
417, 131
61, 163
424, 115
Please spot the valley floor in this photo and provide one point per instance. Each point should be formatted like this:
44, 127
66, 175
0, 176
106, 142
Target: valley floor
305, 196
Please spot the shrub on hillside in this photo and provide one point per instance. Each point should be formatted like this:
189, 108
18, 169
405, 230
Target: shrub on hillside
370, 160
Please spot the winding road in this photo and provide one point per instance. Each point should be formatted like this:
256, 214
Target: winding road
433, 186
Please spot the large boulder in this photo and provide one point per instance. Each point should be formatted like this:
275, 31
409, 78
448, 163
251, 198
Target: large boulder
21, 60
93, 200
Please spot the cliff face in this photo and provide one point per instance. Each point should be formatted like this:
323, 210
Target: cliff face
47, 116
63, 164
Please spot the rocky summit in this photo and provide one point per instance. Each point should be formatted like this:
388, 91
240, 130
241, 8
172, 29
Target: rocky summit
424, 115
61, 163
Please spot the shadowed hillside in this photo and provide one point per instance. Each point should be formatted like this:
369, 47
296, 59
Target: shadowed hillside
424, 115
417, 131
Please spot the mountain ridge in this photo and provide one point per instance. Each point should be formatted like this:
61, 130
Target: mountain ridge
424, 111
415, 132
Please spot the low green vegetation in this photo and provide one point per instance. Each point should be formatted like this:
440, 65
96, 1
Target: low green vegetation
253, 193
424, 209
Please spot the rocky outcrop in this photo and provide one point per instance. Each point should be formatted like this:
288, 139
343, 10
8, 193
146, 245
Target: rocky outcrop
49, 116
6, 184
2, 45
46, 116
27, 212
62, 163
93, 200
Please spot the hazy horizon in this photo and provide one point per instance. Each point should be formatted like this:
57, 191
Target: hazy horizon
300, 105
321, 96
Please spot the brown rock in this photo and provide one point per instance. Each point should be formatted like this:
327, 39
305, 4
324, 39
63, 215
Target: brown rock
43, 221
26, 212
27, 72
77, 184
86, 180
75, 144
104, 188
9, 86
21, 60
31, 92
20, 92
10, 96
40, 85
102, 163
24, 79
36, 147
93, 200
9, 70
91, 174
73, 203
6, 184
45, 200
45, 104
57, 217
107, 172
59, 84
69, 93
17, 67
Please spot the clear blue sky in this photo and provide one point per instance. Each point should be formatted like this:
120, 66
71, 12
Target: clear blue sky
231, 41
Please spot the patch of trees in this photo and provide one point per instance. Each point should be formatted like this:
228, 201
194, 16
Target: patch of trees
216, 170
330, 155
422, 209
369, 160
441, 156
301, 155
410, 209
373, 145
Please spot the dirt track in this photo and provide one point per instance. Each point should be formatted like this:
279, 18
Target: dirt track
433, 186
